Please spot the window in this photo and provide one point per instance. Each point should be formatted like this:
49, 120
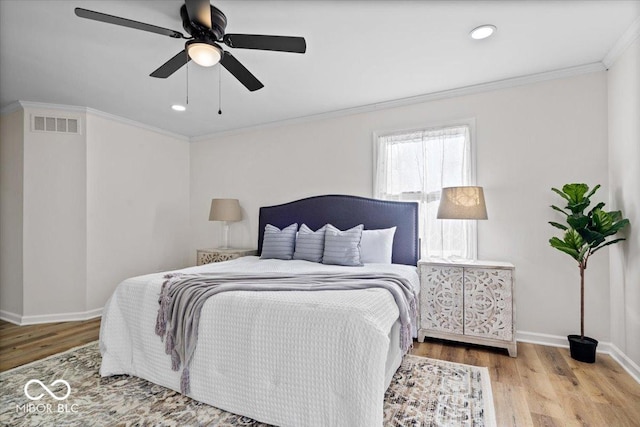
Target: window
414, 166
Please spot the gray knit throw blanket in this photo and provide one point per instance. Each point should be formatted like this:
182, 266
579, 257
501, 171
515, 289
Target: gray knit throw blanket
183, 295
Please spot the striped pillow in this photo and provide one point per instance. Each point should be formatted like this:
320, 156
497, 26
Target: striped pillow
342, 247
309, 244
278, 243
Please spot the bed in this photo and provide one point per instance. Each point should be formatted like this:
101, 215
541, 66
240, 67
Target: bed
293, 358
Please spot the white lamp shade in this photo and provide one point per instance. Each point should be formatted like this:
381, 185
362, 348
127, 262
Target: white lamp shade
225, 210
462, 203
204, 54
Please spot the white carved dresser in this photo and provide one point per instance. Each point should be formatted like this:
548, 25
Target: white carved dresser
206, 256
468, 301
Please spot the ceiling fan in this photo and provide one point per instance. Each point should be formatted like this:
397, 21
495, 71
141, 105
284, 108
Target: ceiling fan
206, 24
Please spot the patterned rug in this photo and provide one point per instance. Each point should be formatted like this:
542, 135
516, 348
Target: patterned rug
66, 390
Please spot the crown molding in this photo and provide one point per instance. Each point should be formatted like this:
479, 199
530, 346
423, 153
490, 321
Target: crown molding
17, 105
130, 122
419, 99
618, 48
57, 107
11, 108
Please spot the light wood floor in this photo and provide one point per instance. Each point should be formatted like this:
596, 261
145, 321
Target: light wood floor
24, 344
543, 386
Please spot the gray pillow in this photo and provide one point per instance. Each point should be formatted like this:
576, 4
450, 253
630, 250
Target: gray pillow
278, 243
309, 244
342, 247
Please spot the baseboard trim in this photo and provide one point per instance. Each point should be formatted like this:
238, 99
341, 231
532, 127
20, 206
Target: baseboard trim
627, 364
543, 339
10, 317
19, 320
603, 347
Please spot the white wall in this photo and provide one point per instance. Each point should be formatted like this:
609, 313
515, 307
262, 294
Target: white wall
137, 204
55, 245
529, 139
624, 175
11, 190
270, 167
82, 212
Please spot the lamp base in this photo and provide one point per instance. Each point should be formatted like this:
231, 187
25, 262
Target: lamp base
225, 235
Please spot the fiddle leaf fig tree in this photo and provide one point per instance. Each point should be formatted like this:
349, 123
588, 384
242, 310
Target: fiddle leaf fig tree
584, 233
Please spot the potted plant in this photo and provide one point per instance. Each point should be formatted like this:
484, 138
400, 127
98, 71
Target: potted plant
584, 235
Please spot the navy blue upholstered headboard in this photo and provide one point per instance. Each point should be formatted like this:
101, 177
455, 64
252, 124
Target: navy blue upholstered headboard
348, 211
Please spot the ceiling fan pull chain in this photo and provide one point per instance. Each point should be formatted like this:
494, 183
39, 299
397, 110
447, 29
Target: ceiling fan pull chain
219, 90
187, 77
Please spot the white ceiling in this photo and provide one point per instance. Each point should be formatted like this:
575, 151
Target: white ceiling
358, 53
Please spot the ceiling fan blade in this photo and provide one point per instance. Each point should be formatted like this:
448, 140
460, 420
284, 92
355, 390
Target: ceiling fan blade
238, 70
277, 43
199, 11
172, 65
110, 19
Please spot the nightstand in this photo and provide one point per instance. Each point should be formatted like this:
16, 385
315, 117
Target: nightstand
207, 256
468, 301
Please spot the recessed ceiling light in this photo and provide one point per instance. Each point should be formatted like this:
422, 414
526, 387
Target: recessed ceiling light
178, 107
482, 32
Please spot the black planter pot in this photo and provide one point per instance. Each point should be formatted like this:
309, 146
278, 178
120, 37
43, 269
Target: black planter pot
582, 350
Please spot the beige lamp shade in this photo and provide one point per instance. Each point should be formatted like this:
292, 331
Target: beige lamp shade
225, 210
462, 203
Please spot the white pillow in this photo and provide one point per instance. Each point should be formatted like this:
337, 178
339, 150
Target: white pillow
377, 245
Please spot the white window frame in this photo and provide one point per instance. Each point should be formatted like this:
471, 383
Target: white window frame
472, 233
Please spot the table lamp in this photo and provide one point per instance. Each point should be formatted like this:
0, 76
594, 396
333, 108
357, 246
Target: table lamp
462, 203
225, 210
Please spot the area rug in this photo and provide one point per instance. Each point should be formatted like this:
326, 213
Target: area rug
66, 390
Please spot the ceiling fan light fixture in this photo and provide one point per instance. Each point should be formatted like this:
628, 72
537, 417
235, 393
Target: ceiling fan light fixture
482, 32
204, 53
178, 107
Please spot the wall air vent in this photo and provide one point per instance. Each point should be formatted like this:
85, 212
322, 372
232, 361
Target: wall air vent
55, 124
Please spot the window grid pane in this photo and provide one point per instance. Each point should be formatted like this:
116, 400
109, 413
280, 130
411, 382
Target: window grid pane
414, 166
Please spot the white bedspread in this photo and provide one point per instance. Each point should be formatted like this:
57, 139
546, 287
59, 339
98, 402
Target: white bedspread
284, 358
